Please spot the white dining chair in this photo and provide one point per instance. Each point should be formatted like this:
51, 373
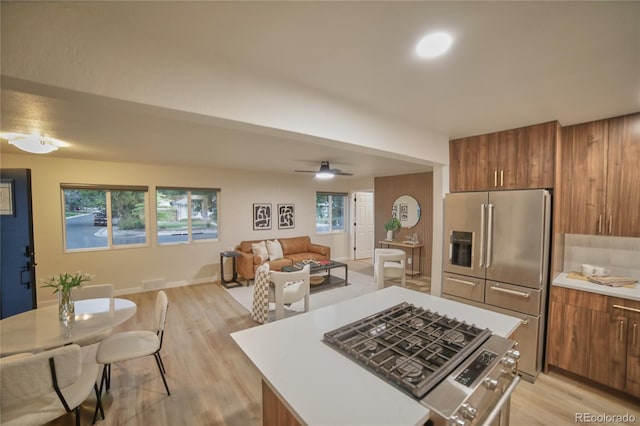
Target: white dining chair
389, 264
289, 287
93, 291
129, 345
38, 388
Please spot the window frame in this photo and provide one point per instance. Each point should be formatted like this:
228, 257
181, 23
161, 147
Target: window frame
189, 231
107, 190
345, 213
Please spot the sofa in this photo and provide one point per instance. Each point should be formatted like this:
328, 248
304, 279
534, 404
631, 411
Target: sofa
294, 249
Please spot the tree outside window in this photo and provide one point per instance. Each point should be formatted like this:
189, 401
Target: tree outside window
104, 217
330, 212
185, 215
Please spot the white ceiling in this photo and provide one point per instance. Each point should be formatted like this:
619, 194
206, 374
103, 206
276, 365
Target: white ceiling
512, 64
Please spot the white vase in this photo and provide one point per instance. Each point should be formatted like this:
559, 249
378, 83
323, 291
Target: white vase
390, 235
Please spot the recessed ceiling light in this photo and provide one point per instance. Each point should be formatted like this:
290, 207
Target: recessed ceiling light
433, 45
34, 144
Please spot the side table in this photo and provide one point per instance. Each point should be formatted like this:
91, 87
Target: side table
233, 282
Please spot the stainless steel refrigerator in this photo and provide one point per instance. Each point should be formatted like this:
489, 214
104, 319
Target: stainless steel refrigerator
496, 256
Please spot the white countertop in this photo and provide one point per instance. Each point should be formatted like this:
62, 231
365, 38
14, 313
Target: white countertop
323, 387
623, 292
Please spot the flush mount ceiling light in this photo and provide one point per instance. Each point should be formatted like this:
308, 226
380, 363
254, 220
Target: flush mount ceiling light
34, 144
434, 44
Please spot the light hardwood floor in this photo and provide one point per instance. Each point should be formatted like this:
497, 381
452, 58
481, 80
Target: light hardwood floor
213, 383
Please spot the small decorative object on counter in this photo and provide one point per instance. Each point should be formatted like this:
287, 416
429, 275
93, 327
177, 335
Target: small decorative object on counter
391, 226
63, 285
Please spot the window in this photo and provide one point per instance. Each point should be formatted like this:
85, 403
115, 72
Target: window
104, 217
331, 212
186, 215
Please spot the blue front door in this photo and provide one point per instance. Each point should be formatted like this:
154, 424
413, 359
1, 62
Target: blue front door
17, 271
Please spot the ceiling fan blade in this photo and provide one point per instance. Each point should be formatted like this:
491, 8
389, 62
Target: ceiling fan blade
325, 168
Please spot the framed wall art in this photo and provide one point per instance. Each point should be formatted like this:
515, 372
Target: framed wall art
6, 198
261, 216
286, 216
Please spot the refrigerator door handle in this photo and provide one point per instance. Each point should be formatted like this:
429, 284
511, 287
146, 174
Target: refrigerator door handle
490, 235
482, 223
543, 238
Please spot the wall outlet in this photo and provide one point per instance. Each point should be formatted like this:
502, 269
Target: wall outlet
409, 261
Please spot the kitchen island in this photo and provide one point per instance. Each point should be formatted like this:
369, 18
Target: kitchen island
319, 386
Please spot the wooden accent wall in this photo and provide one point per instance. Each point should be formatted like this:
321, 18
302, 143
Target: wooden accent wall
420, 187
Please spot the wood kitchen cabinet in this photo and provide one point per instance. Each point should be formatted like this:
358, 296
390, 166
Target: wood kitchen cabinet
469, 160
520, 158
623, 177
600, 177
590, 335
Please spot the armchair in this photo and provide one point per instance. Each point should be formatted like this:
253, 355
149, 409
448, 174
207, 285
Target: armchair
289, 287
389, 264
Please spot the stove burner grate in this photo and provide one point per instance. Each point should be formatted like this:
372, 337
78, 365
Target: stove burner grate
411, 347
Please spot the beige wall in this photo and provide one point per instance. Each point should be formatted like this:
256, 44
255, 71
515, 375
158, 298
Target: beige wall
176, 265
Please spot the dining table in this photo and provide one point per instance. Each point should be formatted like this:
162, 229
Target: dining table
41, 329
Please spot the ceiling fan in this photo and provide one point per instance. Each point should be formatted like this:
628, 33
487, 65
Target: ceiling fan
325, 172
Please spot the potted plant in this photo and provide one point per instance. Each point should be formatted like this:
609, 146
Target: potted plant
63, 284
391, 226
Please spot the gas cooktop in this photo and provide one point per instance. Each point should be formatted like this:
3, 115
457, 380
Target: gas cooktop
408, 346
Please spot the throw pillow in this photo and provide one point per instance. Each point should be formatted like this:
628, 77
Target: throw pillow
260, 249
275, 250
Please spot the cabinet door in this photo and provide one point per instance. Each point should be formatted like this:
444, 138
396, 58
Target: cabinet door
623, 177
504, 147
633, 358
608, 349
568, 338
536, 155
584, 171
468, 158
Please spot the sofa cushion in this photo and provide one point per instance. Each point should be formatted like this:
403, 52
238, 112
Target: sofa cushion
277, 265
299, 257
260, 249
295, 245
275, 250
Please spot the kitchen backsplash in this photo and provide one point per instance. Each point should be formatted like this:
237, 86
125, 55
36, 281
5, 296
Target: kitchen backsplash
621, 255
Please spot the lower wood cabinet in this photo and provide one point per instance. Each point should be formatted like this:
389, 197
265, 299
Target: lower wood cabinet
596, 337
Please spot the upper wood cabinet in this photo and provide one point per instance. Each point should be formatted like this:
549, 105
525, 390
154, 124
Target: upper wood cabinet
512, 159
600, 177
623, 176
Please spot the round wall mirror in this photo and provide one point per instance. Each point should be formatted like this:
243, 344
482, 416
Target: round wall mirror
407, 210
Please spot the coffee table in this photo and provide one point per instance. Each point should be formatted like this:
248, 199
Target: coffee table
316, 267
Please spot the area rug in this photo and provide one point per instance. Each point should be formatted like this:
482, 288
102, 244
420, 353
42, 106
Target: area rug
359, 284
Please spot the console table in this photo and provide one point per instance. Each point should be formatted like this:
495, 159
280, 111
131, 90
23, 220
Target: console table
412, 246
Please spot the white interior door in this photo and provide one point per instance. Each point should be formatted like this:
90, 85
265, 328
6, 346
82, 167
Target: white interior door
363, 221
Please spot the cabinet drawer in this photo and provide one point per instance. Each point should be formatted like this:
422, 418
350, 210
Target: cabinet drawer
513, 297
624, 307
465, 287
